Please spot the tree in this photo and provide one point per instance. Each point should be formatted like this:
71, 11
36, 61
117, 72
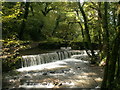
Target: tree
87, 35
111, 75
23, 24
104, 83
11, 13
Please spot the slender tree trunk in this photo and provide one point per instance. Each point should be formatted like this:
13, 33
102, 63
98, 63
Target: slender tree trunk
100, 25
22, 27
87, 35
118, 71
84, 40
104, 82
83, 36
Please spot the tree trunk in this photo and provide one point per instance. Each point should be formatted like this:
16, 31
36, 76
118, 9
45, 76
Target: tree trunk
83, 36
114, 58
106, 39
87, 35
22, 27
84, 40
100, 25
118, 70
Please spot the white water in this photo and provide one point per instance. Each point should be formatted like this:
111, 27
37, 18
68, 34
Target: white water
49, 60
51, 65
31, 60
70, 62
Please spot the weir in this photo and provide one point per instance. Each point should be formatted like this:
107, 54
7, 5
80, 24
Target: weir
31, 60
62, 67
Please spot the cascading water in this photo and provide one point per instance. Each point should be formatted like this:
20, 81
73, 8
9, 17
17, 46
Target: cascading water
45, 70
31, 60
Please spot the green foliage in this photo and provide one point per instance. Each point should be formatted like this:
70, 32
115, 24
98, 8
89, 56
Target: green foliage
54, 39
58, 23
10, 55
38, 25
10, 11
11, 19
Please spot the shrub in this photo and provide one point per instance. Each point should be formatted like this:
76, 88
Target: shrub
10, 53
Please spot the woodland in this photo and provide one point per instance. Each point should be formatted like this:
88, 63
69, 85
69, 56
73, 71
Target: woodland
51, 25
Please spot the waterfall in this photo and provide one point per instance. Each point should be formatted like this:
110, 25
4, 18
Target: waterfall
31, 60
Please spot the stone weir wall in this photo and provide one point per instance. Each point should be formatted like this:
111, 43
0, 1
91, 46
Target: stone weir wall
31, 60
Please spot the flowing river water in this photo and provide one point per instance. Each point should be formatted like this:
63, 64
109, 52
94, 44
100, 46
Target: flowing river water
61, 69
